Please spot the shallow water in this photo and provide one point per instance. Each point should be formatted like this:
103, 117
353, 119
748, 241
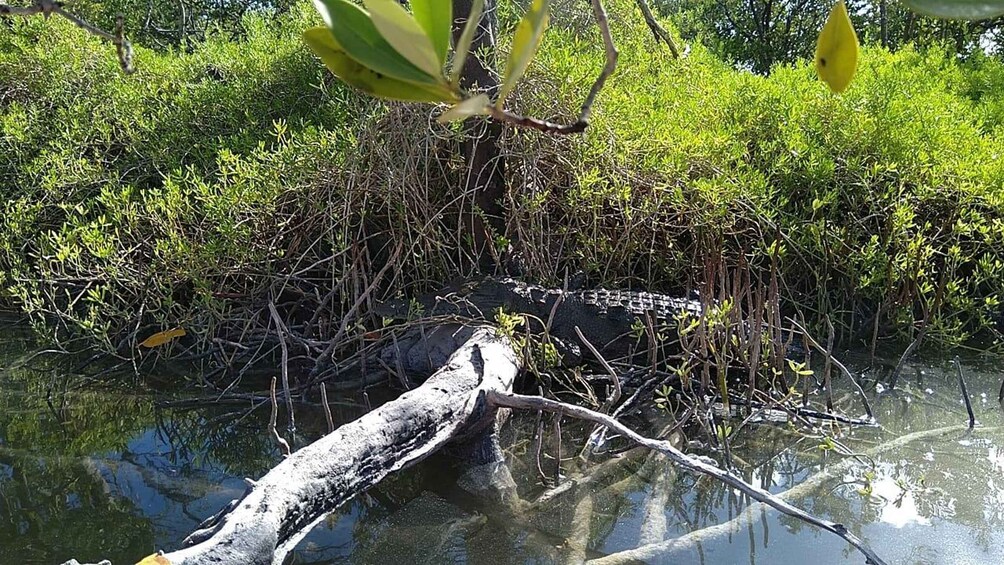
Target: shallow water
92, 470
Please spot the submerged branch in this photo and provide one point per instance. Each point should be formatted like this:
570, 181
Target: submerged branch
965, 393
699, 465
691, 541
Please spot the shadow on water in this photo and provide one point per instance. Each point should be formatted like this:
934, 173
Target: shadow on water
96, 470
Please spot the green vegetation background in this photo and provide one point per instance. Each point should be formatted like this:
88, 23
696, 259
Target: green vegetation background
181, 194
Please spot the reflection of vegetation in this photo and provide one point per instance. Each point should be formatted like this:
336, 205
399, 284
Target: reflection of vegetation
54, 507
90, 471
97, 460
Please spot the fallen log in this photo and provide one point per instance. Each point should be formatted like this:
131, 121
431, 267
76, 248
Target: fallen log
284, 505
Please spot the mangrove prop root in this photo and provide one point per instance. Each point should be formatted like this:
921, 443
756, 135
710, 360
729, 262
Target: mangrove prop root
699, 465
965, 393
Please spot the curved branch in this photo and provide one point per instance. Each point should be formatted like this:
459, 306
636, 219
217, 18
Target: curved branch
699, 465
49, 7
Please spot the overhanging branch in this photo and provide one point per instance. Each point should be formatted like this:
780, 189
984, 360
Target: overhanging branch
48, 7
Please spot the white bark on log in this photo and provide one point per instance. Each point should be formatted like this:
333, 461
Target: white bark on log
284, 504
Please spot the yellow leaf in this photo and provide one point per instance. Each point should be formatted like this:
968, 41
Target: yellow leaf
160, 338
525, 42
155, 559
837, 49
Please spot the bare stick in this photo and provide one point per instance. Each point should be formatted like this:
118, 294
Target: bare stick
597, 436
606, 366
699, 465
906, 355
815, 345
49, 7
271, 424
281, 331
327, 408
965, 393
658, 31
658, 552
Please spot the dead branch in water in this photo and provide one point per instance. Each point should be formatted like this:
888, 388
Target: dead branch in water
965, 393
695, 464
658, 552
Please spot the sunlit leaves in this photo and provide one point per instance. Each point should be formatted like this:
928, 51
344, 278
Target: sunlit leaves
369, 81
958, 9
436, 18
479, 105
525, 42
837, 49
355, 32
404, 34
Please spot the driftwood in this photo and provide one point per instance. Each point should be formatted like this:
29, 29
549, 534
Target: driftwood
698, 465
283, 506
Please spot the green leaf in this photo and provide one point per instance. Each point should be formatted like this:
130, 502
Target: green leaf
479, 105
320, 40
525, 42
436, 18
404, 34
958, 9
357, 36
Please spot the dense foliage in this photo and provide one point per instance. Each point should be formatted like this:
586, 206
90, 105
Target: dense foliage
761, 33
213, 178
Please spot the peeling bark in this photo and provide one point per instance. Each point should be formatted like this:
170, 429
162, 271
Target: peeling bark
283, 506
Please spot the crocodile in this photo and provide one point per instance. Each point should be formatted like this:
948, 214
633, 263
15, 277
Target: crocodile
608, 319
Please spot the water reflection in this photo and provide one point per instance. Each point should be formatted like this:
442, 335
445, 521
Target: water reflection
92, 471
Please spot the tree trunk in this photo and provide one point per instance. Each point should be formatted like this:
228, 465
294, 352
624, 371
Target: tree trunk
483, 214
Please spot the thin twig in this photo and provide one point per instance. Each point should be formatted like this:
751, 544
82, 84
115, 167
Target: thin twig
606, 366
49, 7
282, 331
965, 393
327, 408
815, 345
271, 424
906, 355
699, 465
